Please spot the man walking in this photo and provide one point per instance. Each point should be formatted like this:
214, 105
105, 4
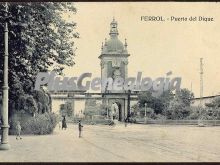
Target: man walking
64, 125
126, 122
80, 129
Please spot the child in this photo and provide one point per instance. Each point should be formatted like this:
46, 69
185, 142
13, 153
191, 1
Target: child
18, 130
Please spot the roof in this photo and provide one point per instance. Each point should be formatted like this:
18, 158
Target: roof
114, 45
206, 97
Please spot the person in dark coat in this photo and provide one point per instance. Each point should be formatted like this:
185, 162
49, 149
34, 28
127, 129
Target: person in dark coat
126, 122
80, 129
64, 123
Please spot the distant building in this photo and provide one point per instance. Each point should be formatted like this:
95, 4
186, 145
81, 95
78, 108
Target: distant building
203, 100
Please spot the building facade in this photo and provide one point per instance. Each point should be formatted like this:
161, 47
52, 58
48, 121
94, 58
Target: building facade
203, 101
114, 64
114, 57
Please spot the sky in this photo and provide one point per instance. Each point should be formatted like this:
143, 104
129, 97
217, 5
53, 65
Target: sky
155, 48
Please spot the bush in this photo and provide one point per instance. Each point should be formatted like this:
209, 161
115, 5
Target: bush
160, 117
41, 124
27, 103
20, 116
177, 110
195, 113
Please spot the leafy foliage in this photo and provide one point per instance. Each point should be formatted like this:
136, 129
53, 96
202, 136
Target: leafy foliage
41, 124
66, 109
184, 96
179, 107
38, 102
166, 105
215, 103
104, 108
157, 103
177, 110
195, 112
39, 39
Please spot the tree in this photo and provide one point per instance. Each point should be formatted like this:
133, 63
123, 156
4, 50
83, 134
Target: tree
185, 96
165, 99
39, 39
44, 99
179, 107
69, 108
66, 109
149, 112
157, 103
177, 110
212, 109
31, 105
146, 97
91, 111
134, 110
195, 112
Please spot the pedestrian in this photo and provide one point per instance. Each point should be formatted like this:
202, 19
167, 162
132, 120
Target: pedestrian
1, 123
80, 129
64, 123
60, 124
126, 121
18, 130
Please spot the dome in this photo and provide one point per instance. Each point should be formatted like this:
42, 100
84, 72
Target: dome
114, 45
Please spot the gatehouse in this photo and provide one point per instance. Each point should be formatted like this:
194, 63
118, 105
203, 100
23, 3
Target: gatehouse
114, 64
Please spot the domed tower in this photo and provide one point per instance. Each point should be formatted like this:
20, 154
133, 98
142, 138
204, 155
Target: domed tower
114, 56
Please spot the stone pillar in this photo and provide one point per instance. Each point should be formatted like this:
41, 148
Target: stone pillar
73, 106
5, 127
126, 68
128, 104
125, 107
103, 73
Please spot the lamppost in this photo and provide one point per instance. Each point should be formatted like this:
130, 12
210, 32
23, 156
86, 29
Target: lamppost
145, 112
107, 108
106, 100
5, 127
138, 110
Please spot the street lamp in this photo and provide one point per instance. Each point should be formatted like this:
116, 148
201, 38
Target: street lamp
5, 127
145, 112
106, 100
138, 110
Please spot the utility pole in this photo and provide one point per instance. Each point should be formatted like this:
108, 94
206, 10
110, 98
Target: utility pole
145, 113
5, 127
191, 87
201, 80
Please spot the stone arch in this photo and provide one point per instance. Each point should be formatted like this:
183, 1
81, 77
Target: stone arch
117, 111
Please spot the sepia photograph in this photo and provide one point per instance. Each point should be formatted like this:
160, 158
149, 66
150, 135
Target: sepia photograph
109, 82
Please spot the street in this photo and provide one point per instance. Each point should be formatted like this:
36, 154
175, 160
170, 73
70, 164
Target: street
134, 143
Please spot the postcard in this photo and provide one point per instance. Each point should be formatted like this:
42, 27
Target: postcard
109, 81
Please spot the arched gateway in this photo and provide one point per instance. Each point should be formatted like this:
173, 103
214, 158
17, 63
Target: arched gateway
114, 61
